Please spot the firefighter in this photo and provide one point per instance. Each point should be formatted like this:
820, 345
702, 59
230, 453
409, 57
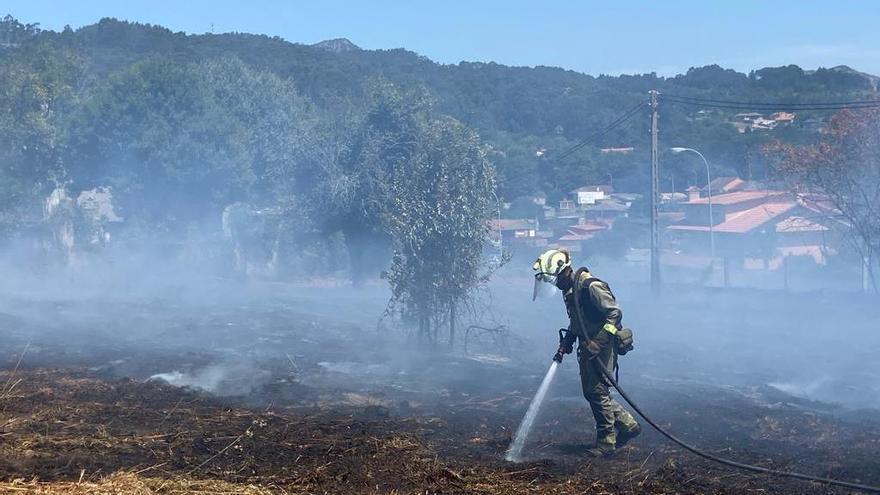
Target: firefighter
594, 321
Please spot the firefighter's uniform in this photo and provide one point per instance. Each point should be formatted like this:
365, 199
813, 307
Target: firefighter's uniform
601, 317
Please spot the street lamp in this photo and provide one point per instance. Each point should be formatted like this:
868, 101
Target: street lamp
679, 149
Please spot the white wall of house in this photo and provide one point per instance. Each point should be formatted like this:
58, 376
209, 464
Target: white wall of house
589, 197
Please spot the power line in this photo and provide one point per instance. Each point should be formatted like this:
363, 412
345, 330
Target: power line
746, 105
779, 107
596, 135
590, 139
773, 103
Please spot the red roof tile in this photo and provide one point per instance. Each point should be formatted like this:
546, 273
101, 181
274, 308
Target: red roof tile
744, 221
736, 197
800, 224
587, 227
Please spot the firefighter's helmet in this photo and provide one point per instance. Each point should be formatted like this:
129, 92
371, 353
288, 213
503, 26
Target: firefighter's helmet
547, 268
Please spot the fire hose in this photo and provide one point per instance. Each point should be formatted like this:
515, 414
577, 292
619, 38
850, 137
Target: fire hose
702, 453
721, 460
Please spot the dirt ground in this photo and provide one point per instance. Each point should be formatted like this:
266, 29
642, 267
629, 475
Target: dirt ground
312, 406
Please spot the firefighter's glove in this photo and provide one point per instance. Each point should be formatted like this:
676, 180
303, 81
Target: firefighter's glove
562, 351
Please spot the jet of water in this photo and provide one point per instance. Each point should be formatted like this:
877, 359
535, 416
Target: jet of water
514, 453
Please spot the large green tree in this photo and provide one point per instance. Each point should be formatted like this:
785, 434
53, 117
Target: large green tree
178, 142
349, 191
37, 91
441, 199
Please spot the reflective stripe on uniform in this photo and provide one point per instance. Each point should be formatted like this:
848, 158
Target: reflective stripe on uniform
608, 327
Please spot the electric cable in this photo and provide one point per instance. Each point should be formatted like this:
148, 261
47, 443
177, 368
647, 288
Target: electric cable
699, 452
774, 108
773, 103
620, 120
746, 105
596, 135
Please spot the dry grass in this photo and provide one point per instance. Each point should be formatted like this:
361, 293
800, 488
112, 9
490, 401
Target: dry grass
64, 429
127, 483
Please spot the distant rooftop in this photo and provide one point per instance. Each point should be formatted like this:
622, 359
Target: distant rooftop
736, 197
594, 188
746, 220
623, 151
724, 184
511, 224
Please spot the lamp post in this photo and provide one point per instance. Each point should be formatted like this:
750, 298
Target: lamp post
679, 149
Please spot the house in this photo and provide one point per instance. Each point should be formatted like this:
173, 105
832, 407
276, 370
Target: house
673, 197
755, 121
517, 232
566, 206
588, 195
617, 151
586, 211
577, 236
763, 124
758, 227
721, 185
783, 117
606, 209
744, 121
626, 198
747, 117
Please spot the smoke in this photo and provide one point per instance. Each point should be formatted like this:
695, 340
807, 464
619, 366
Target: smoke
208, 379
230, 379
149, 312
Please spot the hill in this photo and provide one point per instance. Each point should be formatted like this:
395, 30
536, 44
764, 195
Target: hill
517, 110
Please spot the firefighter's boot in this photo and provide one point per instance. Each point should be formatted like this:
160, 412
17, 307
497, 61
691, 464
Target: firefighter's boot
625, 433
604, 447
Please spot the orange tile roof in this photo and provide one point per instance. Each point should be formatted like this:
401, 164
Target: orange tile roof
799, 224
736, 197
744, 221
587, 227
576, 237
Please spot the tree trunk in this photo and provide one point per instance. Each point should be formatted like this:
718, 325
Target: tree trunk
872, 260
354, 243
424, 329
452, 324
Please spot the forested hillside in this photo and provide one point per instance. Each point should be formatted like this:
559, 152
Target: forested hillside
196, 122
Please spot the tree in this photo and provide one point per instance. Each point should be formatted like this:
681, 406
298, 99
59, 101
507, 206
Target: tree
441, 200
178, 142
842, 169
36, 92
349, 191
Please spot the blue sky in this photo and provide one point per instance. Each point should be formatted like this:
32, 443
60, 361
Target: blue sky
609, 37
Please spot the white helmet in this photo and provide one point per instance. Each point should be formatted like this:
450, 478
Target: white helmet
548, 266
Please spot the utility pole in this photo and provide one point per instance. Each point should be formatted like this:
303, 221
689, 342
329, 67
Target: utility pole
655, 198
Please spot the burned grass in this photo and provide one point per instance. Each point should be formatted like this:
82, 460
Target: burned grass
69, 431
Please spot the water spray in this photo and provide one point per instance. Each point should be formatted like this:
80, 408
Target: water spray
514, 453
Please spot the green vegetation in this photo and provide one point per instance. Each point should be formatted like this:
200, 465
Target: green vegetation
180, 126
516, 110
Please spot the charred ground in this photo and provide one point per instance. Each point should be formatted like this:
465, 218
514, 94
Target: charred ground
301, 402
